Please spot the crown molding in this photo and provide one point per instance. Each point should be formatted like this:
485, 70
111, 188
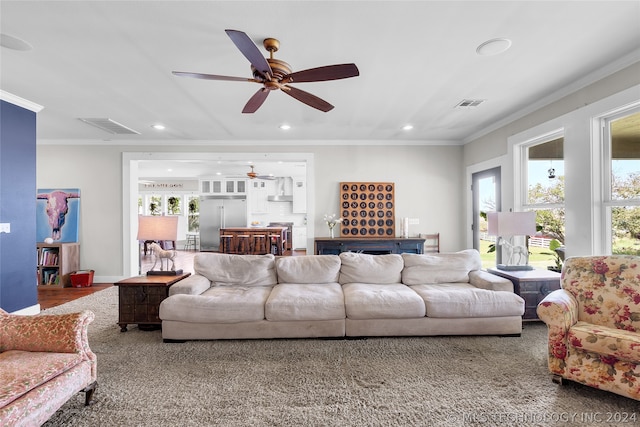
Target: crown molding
20, 102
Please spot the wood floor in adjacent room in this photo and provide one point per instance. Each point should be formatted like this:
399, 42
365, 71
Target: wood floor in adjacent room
50, 297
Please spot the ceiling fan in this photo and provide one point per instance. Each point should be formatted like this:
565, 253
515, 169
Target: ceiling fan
274, 74
253, 175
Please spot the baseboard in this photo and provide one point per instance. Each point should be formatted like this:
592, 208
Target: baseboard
28, 311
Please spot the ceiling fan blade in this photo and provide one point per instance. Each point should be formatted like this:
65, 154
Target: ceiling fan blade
211, 76
256, 100
321, 74
266, 177
307, 98
250, 51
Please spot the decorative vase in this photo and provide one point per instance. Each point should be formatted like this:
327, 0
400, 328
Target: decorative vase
331, 232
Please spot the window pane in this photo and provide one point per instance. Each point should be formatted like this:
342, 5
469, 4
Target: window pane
625, 230
545, 172
625, 158
551, 225
194, 214
155, 205
174, 205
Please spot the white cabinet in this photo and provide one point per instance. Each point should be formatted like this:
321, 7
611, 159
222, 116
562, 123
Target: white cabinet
299, 195
258, 193
223, 186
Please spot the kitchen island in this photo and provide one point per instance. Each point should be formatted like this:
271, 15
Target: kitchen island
253, 240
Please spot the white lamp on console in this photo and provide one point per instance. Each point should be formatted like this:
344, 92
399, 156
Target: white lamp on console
507, 225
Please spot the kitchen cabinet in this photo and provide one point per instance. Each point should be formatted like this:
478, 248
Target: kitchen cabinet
299, 192
223, 186
258, 193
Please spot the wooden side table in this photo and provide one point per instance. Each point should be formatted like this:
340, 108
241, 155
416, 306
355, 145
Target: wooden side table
532, 286
139, 300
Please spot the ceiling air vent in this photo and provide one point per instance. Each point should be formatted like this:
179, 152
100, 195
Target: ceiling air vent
470, 103
111, 126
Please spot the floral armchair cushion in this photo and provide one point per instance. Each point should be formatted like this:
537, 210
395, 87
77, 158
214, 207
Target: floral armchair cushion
607, 290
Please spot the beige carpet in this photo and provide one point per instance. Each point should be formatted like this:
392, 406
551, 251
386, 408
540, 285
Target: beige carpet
431, 381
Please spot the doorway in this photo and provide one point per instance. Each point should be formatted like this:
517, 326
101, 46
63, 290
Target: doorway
486, 187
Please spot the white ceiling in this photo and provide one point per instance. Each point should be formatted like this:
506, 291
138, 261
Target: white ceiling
417, 61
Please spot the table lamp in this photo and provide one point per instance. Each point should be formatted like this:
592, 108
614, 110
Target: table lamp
506, 225
158, 228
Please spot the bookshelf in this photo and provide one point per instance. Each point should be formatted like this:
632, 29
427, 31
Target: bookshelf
55, 262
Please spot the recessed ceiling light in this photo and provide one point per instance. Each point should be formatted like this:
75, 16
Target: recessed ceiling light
407, 127
285, 127
493, 47
14, 43
158, 126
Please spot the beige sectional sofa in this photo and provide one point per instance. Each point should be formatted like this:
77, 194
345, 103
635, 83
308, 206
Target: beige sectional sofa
351, 294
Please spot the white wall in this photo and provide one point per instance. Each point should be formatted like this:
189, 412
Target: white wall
428, 183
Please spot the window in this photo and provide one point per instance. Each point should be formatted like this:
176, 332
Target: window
621, 181
543, 192
194, 214
174, 205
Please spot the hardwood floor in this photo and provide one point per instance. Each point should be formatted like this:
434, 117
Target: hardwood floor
51, 297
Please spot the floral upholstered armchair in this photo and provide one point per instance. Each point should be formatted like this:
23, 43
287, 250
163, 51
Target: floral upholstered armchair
44, 361
594, 323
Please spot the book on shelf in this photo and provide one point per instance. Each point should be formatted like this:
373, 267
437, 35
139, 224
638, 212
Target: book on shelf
50, 277
49, 256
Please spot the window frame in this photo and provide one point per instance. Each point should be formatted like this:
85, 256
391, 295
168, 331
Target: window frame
605, 189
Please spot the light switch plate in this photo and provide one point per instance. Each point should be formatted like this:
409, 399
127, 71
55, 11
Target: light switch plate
5, 227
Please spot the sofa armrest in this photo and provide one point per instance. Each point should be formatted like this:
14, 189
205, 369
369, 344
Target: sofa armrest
57, 333
192, 285
485, 280
558, 309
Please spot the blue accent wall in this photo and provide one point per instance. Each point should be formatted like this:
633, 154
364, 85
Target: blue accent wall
18, 283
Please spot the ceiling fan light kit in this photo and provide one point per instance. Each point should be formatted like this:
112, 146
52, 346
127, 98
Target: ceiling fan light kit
275, 74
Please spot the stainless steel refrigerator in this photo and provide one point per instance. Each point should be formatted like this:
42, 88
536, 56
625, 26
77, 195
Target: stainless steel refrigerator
218, 212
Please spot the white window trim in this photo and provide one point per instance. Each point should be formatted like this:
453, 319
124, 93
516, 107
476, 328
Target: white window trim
602, 153
521, 190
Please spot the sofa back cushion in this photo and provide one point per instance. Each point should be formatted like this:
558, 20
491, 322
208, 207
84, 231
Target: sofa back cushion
607, 289
451, 267
230, 270
374, 269
308, 269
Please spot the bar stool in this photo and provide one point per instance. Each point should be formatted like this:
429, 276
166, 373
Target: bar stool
225, 243
276, 244
259, 244
243, 244
190, 243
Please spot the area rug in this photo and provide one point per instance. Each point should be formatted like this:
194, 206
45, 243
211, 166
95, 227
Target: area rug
425, 381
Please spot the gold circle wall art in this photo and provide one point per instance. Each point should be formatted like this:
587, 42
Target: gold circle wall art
367, 209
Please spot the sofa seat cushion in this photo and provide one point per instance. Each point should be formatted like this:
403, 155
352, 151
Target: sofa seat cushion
365, 268
230, 269
609, 342
308, 269
22, 371
440, 267
390, 301
305, 301
220, 304
455, 300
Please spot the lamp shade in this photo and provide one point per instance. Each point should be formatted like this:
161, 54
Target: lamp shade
511, 223
158, 228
